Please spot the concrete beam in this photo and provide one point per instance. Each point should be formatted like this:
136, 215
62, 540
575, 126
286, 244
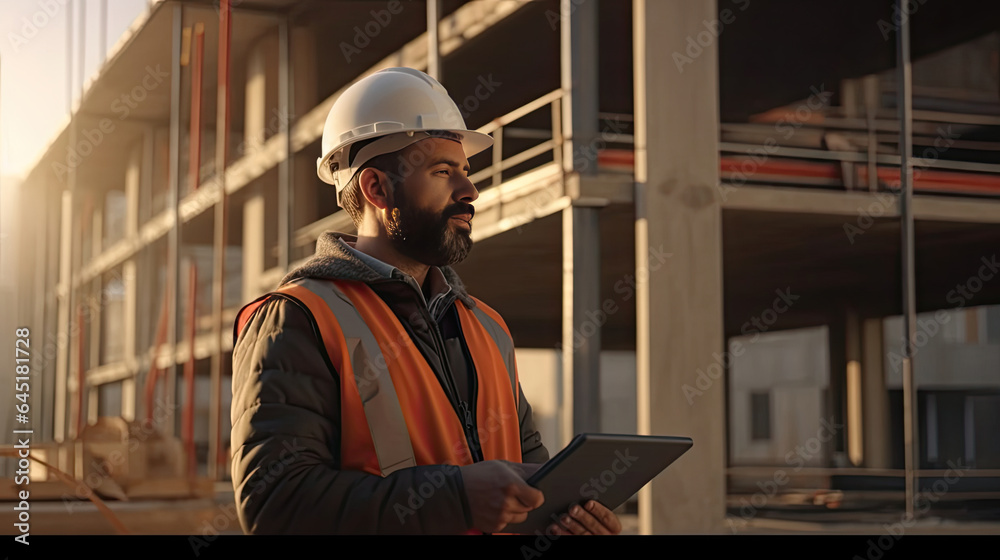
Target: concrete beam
953, 209
882, 204
805, 200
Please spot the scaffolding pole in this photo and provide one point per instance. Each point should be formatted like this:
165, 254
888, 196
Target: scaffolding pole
433, 42
215, 458
904, 104
581, 350
285, 167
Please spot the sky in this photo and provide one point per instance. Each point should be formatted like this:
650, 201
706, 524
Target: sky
33, 68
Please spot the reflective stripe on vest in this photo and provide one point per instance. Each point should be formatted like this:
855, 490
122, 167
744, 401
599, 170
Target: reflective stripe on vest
395, 414
497, 329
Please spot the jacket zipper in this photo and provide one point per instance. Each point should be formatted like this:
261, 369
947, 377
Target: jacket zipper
477, 453
466, 415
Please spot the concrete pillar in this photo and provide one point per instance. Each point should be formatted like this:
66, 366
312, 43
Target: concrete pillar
65, 312
581, 322
261, 100
77, 321
433, 42
253, 242
303, 200
679, 303
94, 321
853, 392
93, 409
167, 426
254, 116
48, 309
94, 324
130, 273
148, 299
303, 56
33, 286
874, 397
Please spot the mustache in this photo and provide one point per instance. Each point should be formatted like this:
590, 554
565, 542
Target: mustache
459, 208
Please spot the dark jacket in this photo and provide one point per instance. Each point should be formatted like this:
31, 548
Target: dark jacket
286, 414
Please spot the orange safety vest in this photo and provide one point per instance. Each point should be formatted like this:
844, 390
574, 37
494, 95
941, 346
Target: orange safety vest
394, 412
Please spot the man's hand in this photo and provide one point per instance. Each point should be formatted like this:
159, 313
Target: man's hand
498, 494
591, 518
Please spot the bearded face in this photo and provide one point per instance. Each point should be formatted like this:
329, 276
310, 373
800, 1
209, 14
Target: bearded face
433, 237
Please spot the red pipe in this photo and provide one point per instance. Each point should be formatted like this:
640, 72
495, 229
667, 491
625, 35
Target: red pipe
225, 33
928, 180
194, 157
187, 421
154, 371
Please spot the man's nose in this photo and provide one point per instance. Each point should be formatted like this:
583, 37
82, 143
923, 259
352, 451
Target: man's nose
466, 190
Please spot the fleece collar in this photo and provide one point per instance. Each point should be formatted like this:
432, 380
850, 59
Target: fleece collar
334, 260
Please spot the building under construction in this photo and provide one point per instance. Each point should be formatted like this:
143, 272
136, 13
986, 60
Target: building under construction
693, 219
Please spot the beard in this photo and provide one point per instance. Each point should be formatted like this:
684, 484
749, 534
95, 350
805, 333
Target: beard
425, 236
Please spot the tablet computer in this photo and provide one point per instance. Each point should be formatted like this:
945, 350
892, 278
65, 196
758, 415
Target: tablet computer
608, 468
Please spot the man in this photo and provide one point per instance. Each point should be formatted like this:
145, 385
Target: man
371, 392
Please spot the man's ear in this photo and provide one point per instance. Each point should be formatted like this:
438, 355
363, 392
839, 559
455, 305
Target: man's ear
375, 187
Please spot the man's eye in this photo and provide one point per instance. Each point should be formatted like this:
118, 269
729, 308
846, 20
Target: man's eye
445, 171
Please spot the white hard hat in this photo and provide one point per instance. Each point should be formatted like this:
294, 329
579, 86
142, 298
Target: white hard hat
398, 104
